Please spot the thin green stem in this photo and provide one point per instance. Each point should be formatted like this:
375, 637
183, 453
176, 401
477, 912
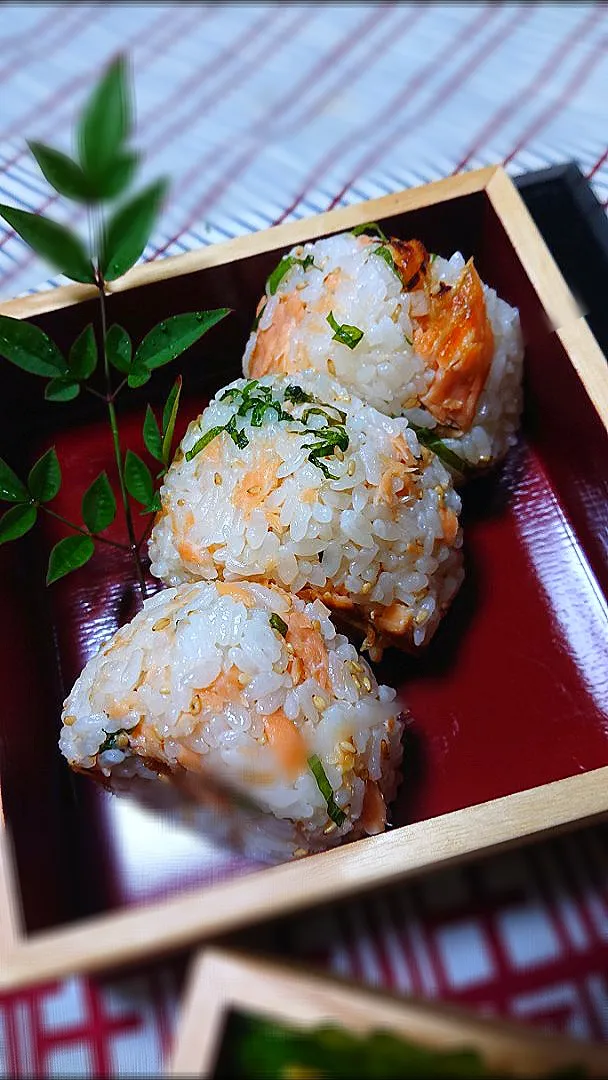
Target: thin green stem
83, 532
133, 547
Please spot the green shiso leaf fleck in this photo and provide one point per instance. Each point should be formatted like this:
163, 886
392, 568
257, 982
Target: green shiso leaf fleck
345, 334
278, 624
336, 814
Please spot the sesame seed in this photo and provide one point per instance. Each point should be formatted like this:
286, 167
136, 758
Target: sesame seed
196, 705
421, 617
353, 666
319, 702
122, 740
356, 682
316, 625
348, 746
217, 479
331, 827
164, 690
338, 453
69, 720
289, 647
351, 468
162, 623
366, 587
181, 502
383, 748
331, 367
367, 683
299, 852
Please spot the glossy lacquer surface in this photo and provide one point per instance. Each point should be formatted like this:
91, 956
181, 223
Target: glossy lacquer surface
512, 693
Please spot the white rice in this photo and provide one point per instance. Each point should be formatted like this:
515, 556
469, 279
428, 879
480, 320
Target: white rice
368, 539
156, 690
344, 275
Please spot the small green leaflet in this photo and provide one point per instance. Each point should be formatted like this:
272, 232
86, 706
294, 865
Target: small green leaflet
129, 229
278, 624
61, 389
371, 228
11, 488
106, 121
63, 174
82, 358
169, 418
44, 479
285, 265
69, 554
52, 242
345, 334
173, 336
428, 438
16, 522
99, 505
336, 814
256, 321
30, 348
153, 440
117, 177
138, 479
119, 349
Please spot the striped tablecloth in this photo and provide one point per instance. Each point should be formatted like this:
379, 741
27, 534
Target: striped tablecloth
262, 113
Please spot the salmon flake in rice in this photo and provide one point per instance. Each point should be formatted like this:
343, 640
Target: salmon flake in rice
320, 494
424, 338
260, 707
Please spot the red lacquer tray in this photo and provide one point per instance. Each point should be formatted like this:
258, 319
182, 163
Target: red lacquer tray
510, 703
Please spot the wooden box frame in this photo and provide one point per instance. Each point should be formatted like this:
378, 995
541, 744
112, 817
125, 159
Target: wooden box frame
130, 935
221, 982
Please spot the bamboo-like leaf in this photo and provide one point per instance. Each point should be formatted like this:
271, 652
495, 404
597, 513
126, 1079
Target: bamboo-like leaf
138, 479
117, 177
82, 359
99, 504
62, 173
152, 437
138, 377
174, 335
119, 349
69, 554
62, 388
52, 241
129, 230
30, 348
106, 120
16, 522
154, 505
11, 488
169, 418
44, 479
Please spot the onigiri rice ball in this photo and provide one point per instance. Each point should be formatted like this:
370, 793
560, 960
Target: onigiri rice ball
409, 333
246, 700
304, 485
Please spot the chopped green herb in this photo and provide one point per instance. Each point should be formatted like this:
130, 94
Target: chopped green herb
371, 228
237, 436
204, 441
256, 321
111, 741
278, 624
285, 265
345, 334
316, 411
385, 253
409, 341
297, 395
336, 814
428, 438
433, 257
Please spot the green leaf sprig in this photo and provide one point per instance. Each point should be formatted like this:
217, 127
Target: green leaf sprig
103, 360
334, 811
428, 438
